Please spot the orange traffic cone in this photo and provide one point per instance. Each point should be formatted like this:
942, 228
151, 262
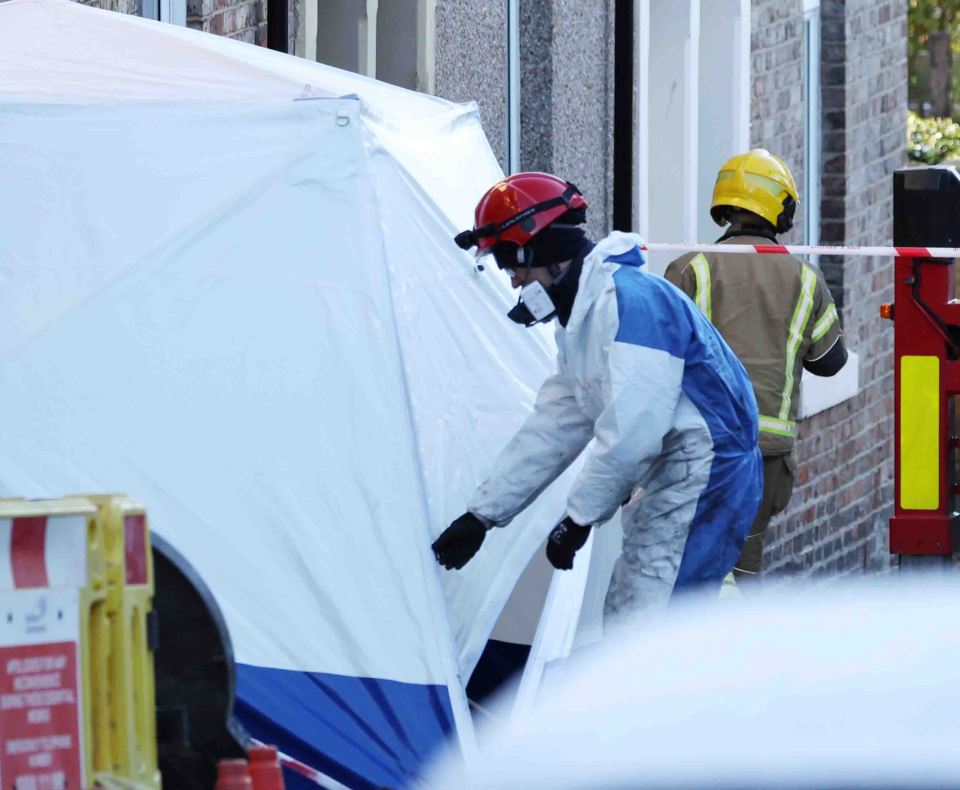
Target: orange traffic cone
233, 775
265, 768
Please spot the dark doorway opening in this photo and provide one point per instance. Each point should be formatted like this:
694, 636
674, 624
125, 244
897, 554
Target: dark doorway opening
623, 80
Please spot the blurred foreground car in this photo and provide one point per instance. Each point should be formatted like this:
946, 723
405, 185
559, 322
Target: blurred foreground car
850, 686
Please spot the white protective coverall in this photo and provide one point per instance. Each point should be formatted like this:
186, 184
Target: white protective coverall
672, 412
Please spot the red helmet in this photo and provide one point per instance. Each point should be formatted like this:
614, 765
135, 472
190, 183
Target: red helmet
518, 208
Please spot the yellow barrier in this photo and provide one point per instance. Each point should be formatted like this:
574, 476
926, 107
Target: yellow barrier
92, 554
131, 734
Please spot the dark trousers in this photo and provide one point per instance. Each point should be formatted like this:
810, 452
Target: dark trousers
777, 487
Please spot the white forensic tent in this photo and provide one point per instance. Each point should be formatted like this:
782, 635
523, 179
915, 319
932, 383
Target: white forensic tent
228, 288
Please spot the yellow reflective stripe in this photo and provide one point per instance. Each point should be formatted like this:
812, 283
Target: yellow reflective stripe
827, 320
701, 270
801, 314
920, 434
778, 426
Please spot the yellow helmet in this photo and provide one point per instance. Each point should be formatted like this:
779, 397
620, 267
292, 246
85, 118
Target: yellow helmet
756, 181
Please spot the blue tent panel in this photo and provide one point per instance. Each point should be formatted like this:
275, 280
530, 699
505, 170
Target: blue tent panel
363, 732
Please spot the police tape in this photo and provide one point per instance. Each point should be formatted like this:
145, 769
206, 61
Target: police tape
808, 249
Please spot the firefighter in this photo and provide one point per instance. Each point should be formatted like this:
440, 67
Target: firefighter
642, 373
774, 311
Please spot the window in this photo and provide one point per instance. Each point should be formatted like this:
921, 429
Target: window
172, 11
391, 41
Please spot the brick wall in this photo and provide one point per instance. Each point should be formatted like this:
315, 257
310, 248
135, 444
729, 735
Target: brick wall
776, 98
837, 519
241, 19
121, 6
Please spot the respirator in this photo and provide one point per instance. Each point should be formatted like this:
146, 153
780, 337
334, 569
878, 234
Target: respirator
533, 306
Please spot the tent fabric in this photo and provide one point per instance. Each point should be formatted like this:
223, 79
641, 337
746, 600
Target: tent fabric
374, 733
229, 289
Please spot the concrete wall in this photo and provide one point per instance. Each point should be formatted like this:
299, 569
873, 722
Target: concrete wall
837, 520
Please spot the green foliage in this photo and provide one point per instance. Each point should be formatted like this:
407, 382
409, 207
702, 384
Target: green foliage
931, 140
926, 16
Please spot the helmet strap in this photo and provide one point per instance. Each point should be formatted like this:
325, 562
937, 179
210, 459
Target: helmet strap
785, 219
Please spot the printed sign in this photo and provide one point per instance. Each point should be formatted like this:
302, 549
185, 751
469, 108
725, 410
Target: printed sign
40, 746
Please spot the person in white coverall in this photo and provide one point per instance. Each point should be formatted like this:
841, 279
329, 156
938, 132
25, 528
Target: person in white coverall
642, 373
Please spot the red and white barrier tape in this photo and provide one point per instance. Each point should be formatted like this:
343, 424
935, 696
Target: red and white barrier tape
317, 777
802, 249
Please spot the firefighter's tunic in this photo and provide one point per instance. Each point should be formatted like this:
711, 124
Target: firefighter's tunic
776, 313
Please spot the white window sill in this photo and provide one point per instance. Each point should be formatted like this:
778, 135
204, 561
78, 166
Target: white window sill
819, 393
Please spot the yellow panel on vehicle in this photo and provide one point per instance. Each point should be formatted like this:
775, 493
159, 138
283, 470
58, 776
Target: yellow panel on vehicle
920, 433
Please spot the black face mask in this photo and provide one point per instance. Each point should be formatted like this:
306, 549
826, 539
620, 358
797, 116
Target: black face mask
538, 303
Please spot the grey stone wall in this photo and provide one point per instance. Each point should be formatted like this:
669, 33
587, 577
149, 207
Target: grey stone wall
566, 82
776, 87
566, 97
583, 107
471, 62
837, 520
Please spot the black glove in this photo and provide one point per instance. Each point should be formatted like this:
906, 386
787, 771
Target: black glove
566, 540
460, 541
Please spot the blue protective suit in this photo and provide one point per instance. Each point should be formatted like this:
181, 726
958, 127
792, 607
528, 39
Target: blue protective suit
673, 417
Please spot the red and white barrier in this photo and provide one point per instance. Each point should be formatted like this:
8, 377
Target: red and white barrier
809, 249
43, 551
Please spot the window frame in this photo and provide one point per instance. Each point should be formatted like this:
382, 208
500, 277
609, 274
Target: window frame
173, 12
816, 392
367, 65
724, 105
812, 130
513, 86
